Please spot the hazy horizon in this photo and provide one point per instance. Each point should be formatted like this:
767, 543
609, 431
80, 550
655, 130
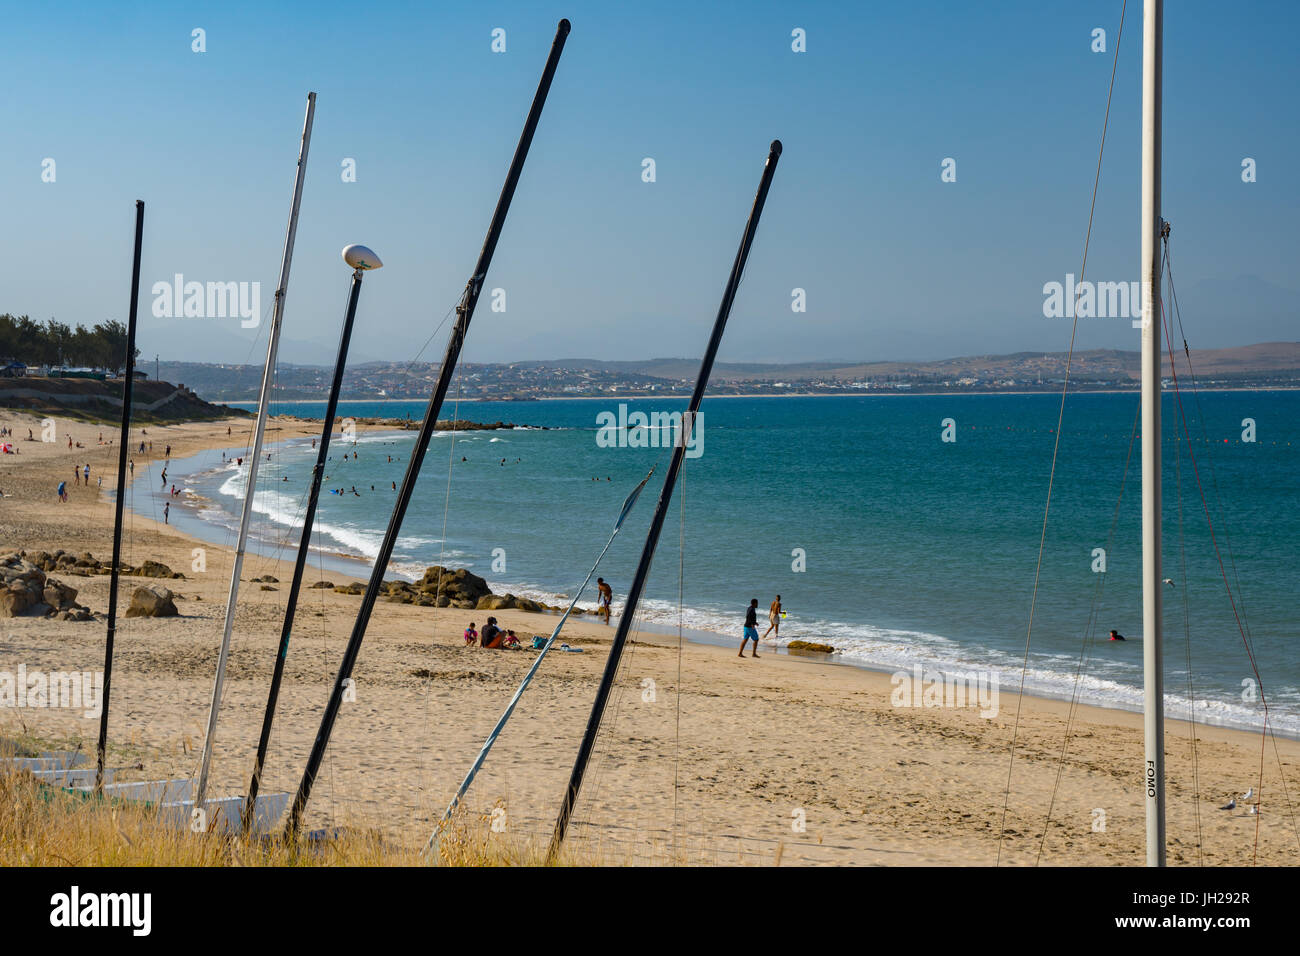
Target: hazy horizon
895, 263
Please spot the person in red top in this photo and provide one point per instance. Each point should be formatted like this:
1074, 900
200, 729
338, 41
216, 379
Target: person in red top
471, 635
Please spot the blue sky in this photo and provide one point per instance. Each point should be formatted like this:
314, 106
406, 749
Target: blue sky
597, 263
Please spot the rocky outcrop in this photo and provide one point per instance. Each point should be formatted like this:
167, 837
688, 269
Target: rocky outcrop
447, 587
86, 564
507, 602
26, 591
809, 647
156, 569
152, 600
323, 584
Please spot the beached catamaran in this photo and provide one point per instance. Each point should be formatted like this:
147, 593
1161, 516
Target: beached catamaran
464, 313
689, 419
361, 260
268, 807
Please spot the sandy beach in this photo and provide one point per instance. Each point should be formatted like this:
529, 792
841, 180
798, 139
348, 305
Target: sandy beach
703, 758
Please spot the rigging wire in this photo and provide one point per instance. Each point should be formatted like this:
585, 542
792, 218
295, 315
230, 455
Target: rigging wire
1089, 637
1056, 445
1187, 644
1237, 612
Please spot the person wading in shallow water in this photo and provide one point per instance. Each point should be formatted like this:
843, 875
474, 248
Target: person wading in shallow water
751, 628
774, 617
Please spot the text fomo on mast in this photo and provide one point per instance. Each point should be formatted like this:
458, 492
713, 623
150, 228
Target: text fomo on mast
653, 430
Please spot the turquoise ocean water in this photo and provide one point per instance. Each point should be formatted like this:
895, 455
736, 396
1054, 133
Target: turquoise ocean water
913, 549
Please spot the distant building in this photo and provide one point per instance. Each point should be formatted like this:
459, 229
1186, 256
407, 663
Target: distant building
13, 370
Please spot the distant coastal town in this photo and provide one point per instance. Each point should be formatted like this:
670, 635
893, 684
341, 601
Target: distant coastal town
1275, 365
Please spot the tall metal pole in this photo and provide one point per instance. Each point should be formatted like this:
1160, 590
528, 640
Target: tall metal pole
464, 313
264, 404
304, 548
1153, 723
661, 509
123, 443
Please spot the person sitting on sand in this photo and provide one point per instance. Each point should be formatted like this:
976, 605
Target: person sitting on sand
471, 635
511, 641
491, 635
1116, 636
751, 628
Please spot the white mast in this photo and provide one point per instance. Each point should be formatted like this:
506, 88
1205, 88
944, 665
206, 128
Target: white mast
1152, 603
264, 404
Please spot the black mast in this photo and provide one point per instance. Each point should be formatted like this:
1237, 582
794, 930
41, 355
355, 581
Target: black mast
304, 546
123, 442
464, 312
661, 509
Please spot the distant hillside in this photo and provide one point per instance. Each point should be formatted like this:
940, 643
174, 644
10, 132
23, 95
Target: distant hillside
1273, 364
1271, 358
102, 400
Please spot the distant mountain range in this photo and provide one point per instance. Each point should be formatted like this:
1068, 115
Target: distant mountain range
1274, 364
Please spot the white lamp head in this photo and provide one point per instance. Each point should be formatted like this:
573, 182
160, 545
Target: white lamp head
359, 257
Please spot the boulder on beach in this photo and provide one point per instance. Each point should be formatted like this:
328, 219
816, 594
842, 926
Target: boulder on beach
42, 559
156, 569
152, 600
462, 588
323, 584
15, 599
59, 596
809, 647
25, 590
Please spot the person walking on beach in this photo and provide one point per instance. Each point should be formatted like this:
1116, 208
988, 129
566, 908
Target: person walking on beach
604, 595
167, 511
751, 628
63, 491
774, 616
76, 474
